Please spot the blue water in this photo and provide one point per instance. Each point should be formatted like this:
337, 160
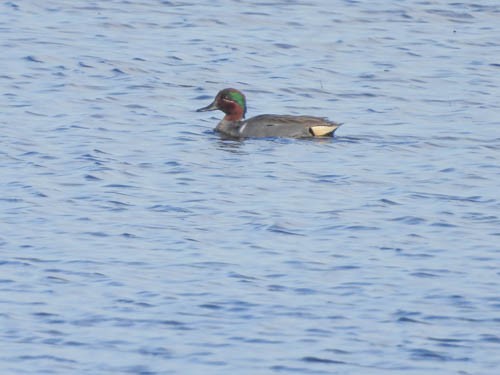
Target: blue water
134, 240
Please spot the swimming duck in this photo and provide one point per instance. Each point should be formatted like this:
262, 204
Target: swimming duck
232, 102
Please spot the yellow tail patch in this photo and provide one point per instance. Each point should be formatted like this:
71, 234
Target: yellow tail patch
321, 130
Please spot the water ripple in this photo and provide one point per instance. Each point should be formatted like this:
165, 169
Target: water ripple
135, 239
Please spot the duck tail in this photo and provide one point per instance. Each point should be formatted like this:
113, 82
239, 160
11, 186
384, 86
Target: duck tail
323, 130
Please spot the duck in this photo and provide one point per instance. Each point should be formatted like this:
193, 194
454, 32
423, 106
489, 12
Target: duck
233, 103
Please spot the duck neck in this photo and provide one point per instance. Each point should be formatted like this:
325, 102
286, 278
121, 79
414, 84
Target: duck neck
233, 112
232, 117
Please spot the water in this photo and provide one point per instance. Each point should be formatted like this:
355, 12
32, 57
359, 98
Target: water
134, 240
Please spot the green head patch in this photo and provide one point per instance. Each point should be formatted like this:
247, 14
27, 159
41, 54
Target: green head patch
239, 98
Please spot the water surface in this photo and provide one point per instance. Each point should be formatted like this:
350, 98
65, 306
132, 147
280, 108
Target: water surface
135, 240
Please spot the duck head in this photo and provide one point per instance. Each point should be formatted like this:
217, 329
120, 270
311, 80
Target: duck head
230, 101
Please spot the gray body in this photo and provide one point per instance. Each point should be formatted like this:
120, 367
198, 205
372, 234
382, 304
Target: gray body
278, 126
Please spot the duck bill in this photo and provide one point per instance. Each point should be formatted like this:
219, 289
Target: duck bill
211, 107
